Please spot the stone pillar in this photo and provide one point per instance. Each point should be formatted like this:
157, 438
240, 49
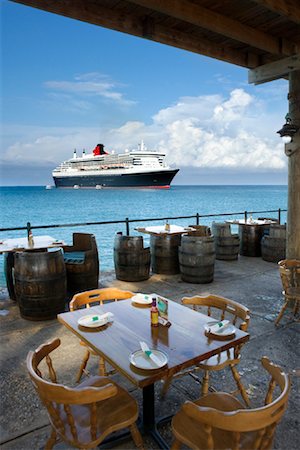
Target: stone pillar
292, 150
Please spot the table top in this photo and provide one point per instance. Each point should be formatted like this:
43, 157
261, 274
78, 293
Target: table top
184, 341
19, 244
161, 229
251, 222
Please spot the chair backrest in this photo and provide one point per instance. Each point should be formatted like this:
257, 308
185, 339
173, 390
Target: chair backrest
289, 270
84, 241
246, 428
98, 296
58, 399
220, 308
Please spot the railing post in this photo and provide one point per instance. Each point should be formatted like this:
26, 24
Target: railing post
245, 216
279, 215
197, 219
28, 228
127, 226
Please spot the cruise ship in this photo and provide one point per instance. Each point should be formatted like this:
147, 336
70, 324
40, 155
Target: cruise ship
140, 168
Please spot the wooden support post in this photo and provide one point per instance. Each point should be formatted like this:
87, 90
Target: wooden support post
293, 152
127, 226
28, 228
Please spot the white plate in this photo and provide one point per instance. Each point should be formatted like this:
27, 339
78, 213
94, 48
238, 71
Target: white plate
140, 360
142, 299
228, 331
86, 321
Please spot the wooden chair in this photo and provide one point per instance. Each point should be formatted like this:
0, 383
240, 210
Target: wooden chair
82, 263
220, 421
92, 298
290, 277
239, 316
83, 416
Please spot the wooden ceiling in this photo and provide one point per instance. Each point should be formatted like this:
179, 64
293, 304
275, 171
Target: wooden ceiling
248, 33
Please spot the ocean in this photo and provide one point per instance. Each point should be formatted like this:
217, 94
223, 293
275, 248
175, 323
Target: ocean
39, 206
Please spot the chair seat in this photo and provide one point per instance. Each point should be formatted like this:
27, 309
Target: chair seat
74, 257
218, 361
197, 437
119, 409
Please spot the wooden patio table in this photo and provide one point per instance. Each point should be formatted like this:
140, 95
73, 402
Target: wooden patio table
184, 342
251, 233
164, 247
12, 245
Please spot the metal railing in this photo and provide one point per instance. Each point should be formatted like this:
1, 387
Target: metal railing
128, 221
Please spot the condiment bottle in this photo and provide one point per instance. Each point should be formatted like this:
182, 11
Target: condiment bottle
30, 239
154, 313
167, 226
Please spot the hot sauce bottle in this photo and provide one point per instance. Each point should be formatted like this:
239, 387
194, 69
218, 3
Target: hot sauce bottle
154, 313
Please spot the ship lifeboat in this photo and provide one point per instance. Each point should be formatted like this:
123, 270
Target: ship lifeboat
98, 186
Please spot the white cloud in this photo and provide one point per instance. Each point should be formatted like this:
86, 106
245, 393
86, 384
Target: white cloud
90, 84
210, 132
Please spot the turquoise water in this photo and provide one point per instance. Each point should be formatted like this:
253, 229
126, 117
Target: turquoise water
39, 206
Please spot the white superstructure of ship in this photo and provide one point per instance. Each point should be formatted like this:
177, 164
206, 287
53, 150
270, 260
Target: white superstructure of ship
135, 168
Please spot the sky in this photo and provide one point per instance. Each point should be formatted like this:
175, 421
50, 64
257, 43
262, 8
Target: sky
66, 84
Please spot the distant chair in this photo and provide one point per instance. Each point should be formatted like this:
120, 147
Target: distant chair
92, 298
82, 263
199, 230
131, 259
220, 421
226, 244
290, 277
273, 244
83, 416
238, 315
266, 228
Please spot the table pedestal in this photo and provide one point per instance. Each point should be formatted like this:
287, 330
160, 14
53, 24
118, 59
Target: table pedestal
250, 239
8, 272
164, 253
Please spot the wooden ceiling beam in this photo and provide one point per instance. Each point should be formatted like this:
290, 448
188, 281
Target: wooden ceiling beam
288, 9
142, 26
274, 70
218, 23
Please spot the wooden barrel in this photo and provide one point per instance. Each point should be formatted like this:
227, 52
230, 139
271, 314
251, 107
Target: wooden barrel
197, 259
220, 229
40, 284
131, 259
250, 239
227, 247
278, 231
164, 253
82, 263
273, 247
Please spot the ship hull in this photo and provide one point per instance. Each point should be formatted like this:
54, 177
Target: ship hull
161, 179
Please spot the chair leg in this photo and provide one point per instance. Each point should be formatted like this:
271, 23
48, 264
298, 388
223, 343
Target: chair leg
296, 307
83, 366
102, 368
51, 441
176, 444
136, 436
166, 386
240, 386
205, 382
281, 313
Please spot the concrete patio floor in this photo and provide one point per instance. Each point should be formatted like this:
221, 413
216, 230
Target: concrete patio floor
250, 281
